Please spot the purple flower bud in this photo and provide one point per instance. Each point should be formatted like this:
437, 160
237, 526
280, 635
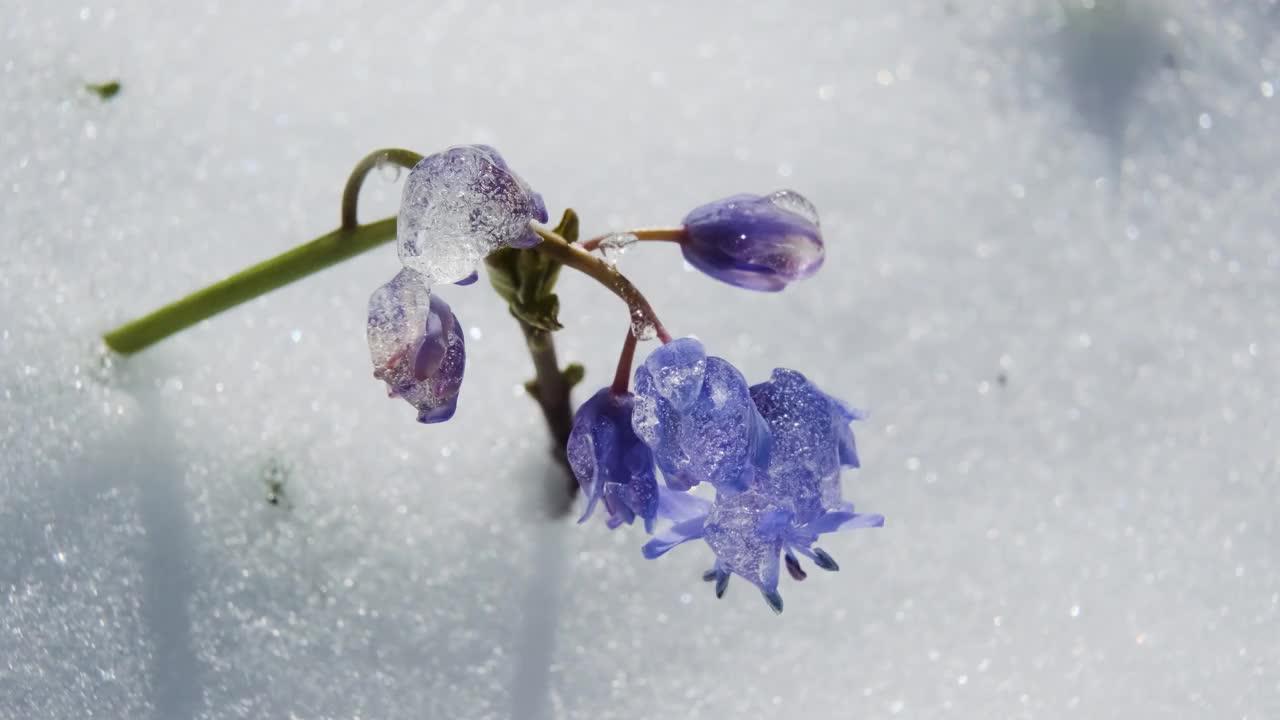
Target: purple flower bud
610, 462
417, 347
460, 205
755, 242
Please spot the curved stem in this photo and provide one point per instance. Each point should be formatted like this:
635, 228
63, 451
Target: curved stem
351, 193
560, 250
248, 284
622, 376
675, 235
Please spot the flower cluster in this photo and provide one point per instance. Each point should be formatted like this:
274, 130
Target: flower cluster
771, 454
457, 207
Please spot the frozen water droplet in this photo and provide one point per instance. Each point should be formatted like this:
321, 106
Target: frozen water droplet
644, 418
641, 326
794, 202
612, 247
389, 171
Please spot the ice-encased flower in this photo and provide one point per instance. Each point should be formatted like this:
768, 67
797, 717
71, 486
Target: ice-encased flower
417, 346
812, 440
458, 206
751, 532
610, 462
789, 502
755, 242
696, 413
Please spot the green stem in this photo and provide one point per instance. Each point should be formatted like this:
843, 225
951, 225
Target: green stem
561, 250
551, 390
351, 193
249, 283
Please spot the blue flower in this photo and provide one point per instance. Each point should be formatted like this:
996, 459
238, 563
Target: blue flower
751, 532
792, 491
458, 206
696, 413
755, 242
417, 346
811, 441
610, 462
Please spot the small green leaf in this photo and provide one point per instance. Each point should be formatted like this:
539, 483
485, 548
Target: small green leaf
543, 313
502, 273
573, 373
531, 266
531, 387
568, 227
106, 90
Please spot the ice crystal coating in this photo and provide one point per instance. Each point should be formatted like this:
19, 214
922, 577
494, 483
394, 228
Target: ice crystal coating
458, 206
696, 413
774, 455
811, 441
416, 345
755, 242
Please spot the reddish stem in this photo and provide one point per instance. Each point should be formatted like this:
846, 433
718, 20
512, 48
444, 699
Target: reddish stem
622, 378
651, 234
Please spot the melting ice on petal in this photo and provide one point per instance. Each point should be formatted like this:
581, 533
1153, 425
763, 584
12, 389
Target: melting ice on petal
696, 413
460, 205
417, 346
794, 202
811, 442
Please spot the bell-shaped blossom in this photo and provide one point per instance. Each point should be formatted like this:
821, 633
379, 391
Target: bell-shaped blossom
695, 412
751, 534
610, 462
812, 440
417, 346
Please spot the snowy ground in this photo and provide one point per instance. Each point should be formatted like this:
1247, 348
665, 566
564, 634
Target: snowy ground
1053, 253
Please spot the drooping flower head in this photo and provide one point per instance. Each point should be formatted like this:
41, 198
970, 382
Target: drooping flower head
696, 413
789, 500
750, 532
610, 462
458, 206
417, 346
811, 441
755, 242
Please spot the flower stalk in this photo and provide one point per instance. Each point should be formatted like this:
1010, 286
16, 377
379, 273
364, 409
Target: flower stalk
259, 279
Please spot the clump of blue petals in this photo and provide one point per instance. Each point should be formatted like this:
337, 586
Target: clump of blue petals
696, 413
773, 453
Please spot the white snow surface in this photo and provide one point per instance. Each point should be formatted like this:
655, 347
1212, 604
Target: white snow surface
1051, 276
